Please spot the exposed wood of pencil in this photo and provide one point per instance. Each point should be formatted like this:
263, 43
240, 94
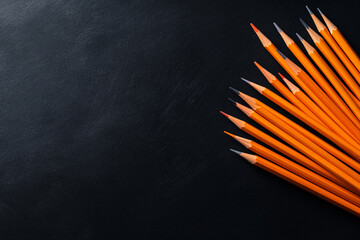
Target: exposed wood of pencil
298, 170
333, 124
340, 39
354, 152
302, 183
291, 153
317, 75
297, 131
334, 61
335, 47
314, 152
286, 93
335, 81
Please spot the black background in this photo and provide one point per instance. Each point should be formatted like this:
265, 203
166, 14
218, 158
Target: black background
110, 124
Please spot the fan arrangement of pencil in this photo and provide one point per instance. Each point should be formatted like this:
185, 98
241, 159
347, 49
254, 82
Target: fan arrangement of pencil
327, 99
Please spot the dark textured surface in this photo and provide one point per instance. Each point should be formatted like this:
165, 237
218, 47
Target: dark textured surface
110, 126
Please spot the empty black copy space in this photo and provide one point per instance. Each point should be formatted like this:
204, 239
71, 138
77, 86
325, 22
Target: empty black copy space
110, 125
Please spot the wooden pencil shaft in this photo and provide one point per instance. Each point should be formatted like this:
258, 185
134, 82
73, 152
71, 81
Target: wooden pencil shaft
336, 82
321, 81
323, 159
318, 127
289, 126
291, 153
308, 186
305, 173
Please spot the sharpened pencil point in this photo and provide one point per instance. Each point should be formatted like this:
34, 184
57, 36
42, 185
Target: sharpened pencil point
232, 101
303, 23
282, 55
282, 77
235, 151
320, 11
253, 27
298, 35
236, 91
310, 12
226, 115
277, 27
247, 81
230, 134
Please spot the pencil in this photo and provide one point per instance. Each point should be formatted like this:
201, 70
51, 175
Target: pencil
296, 130
334, 61
333, 123
298, 169
312, 151
353, 151
286, 93
321, 99
300, 182
316, 75
340, 39
332, 77
329, 39
270, 47
287, 151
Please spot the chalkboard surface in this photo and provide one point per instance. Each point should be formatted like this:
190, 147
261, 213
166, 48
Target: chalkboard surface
110, 124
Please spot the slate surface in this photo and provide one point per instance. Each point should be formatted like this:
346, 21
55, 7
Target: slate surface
110, 126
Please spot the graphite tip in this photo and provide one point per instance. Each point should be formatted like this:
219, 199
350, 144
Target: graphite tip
247, 81
235, 151
282, 55
277, 27
320, 11
236, 91
298, 35
304, 23
232, 101
310, 12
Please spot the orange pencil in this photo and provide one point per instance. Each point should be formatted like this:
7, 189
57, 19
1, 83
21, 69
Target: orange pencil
298, 169
296, 130
329, 39
333, 123
270, 47
314, 152
321, 99
334, 61
335, 81
339, 38
279, 57
300, 182
291, 153
286, 93
338, 140
316, 75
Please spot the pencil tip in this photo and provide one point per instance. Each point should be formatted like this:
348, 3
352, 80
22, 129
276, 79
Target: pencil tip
282, 77
277, 27
282, 55
247, 81
230, 134
303, 23
226, 115
298, 35
232, 101
253, 27
320, 11
236, 91
310, 12
235, 151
